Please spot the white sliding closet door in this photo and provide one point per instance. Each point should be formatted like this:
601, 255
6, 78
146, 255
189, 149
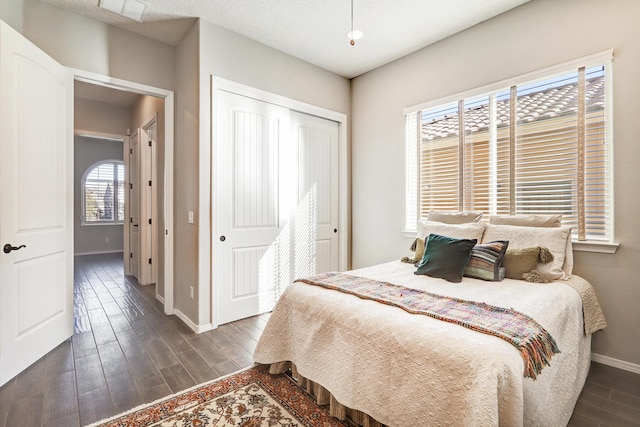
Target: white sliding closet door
315, 217
276, 206
253, 241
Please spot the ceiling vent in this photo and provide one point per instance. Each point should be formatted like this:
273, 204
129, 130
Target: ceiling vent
132, 9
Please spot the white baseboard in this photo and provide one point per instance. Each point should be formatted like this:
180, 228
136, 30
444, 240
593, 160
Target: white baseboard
198, 329
160, 298
116, 251
616, 363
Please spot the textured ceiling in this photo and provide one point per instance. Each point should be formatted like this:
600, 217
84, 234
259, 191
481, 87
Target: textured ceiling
313, 30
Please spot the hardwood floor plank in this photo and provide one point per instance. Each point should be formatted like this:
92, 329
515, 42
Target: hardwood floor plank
89, 375
60, 396
60, 359
112, 358
207, 350
83, 344
71, 420
95, 405
196, 366
123, 391
154, 393
177, 377
26, 413
6, 393
162, 355
30, 382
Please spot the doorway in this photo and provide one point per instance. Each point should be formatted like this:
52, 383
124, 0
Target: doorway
149, 112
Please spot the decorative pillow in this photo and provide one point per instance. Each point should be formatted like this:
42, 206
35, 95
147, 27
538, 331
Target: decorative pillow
418, 248
445, 257
527, 220
522, 263
470, 230
486, 260
449, 217
553, 238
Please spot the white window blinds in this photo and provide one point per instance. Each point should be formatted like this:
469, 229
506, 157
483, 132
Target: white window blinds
540, 146
103, 193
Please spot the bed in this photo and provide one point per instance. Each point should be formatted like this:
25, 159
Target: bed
385, 365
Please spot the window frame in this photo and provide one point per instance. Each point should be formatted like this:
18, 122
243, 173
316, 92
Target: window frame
114, 183
413, 128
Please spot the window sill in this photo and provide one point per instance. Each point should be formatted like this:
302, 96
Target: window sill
595, 246
101, 224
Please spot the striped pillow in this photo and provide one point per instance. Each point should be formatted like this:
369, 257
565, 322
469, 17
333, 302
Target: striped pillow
486, 260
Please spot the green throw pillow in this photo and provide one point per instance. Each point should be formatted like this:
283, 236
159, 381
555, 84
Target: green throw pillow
486, 260
445, 257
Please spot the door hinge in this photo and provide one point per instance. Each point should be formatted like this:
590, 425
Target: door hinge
130, 254
149, 260
130, 219
149, 183
130, 186
149, 220
130, 150
149, 143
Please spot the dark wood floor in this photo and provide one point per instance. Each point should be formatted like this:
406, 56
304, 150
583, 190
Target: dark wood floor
125, 352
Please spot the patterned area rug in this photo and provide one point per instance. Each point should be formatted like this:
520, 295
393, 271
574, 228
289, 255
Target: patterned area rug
249, 398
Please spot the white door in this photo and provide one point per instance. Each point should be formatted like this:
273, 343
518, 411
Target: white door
148, 248
315, 218
36, 199
134, 211
252, 206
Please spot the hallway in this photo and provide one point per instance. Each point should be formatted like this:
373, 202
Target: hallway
124, 352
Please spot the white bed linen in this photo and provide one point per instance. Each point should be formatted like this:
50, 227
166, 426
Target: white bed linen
413, 370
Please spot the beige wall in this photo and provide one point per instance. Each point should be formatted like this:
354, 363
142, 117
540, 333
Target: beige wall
538, 34
186, 176
86, 44
11, 13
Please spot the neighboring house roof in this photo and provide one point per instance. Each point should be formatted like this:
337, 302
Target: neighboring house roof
536, 106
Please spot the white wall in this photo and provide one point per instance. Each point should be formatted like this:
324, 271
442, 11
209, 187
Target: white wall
538, 34
89, 239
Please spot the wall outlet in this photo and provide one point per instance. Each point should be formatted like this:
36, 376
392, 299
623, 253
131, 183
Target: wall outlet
191, 291
190, 217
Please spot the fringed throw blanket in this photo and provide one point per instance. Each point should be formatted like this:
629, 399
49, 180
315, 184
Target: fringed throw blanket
535, 344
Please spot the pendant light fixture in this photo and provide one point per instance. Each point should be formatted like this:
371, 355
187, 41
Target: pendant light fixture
353, 35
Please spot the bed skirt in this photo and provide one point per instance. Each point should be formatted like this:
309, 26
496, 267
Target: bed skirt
324, 397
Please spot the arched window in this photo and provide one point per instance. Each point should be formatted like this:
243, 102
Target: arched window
103, 193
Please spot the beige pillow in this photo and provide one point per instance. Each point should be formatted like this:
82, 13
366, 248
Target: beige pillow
472, 230
527, 220
553, 238
520, 263
450, 217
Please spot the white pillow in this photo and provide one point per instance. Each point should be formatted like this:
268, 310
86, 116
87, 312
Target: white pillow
553, 238
450, 217
471, 230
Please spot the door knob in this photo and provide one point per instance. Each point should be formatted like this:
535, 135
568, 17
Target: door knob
8, 248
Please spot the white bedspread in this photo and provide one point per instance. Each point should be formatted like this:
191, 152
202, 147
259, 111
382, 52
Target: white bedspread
413, 370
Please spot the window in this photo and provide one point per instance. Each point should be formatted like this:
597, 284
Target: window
103, 193
538, 144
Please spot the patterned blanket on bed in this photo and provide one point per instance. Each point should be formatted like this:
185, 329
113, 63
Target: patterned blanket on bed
535, 344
